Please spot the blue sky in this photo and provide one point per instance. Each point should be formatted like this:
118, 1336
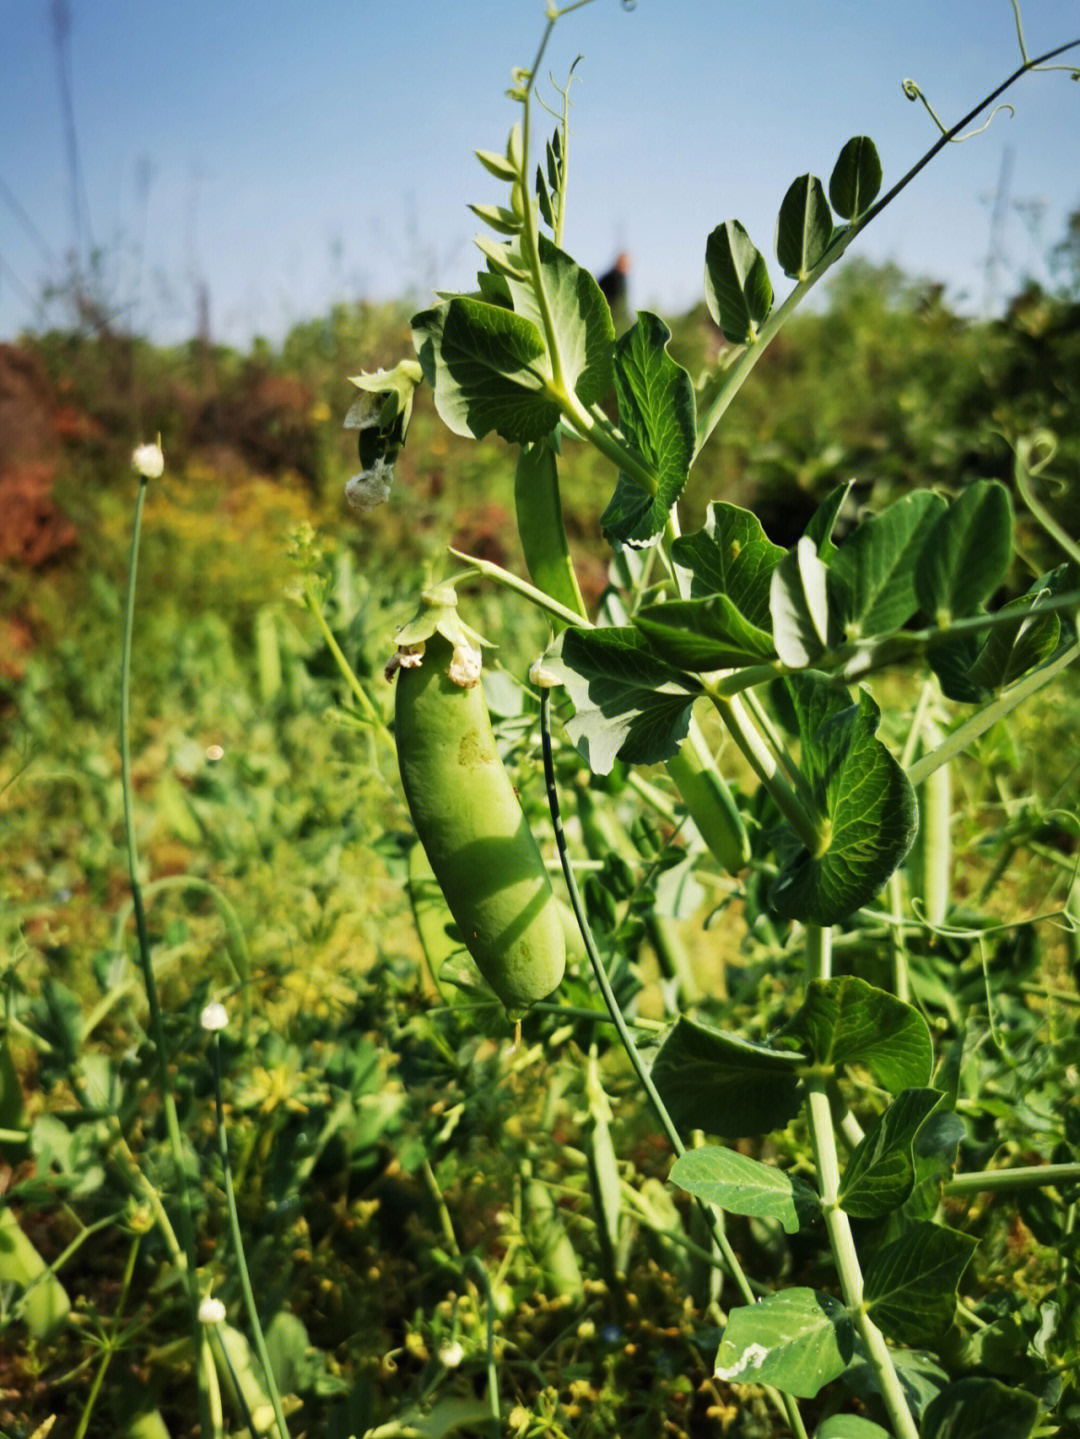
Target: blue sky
287, 154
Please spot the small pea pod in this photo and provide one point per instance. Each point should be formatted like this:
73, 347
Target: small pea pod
709, 802
540, 525
469, 820
930, 862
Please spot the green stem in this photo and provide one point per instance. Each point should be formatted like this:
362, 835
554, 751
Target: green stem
111, 1345
157, 1027
721, 1240
343, 664
982, 720
764, 764
473, 1264
994, 1181
837, 1224
510, 581
238, 1250
734, 377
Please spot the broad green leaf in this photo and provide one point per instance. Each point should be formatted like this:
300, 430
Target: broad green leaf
980, 1408
804, 227
730, 555
486, 366
743, 1185
880, 1174
723, 1084
738, 291
823, 519
862, 792
656, 414
580, 318
876, 564
799, 606
1018, 645
446, 1416
628, 704
921, 1377
856, 178
703, 635
850, 1426
910, 1285
847, 1021
798, 1340
965, 552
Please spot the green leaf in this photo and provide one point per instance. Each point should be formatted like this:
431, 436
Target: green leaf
965, 552
921, 1377
847, 1021
703, 635
799, 605
738, 291
498, 218
1018, 645
850, 1426
876, 564
723, 1084
823, 519
981, 1409
580, 318
745, 1186
798, 1340
486, 366
730, 555
856, 178
656, 414
863, 793
628, 704
804, 227
910, 1285
880, 1174
496, 165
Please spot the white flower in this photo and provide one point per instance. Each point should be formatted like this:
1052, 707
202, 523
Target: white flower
370, 488
465, 666
407, 657
149, 461
214, 1017
451, 1355
211, 1311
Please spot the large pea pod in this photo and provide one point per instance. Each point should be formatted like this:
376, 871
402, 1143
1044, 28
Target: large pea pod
474, 833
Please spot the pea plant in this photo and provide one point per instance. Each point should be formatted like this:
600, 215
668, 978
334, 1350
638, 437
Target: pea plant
839, 850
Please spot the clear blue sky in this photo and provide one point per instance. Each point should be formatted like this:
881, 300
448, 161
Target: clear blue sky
288, 154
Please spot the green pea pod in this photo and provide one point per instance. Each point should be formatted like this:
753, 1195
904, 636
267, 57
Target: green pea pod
474, 833
709, 802
930, 862
540, 525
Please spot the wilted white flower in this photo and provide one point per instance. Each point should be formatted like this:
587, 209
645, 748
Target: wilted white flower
370, 488
214, 1017
465, 666
406, 657
543, 679
149, 461
451, 1355
211, 1311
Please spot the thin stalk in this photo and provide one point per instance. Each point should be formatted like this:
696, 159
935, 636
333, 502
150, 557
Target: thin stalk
838, 1227
112, 1344
472, 1263
157, 1027
510, 581
764, 764
734, 377
997, 1181
966, 734
238, 1249
731, 1260
897, 943
349, 675
837, 1224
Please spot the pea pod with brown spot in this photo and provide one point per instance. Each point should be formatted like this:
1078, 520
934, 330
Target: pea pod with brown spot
470, 822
